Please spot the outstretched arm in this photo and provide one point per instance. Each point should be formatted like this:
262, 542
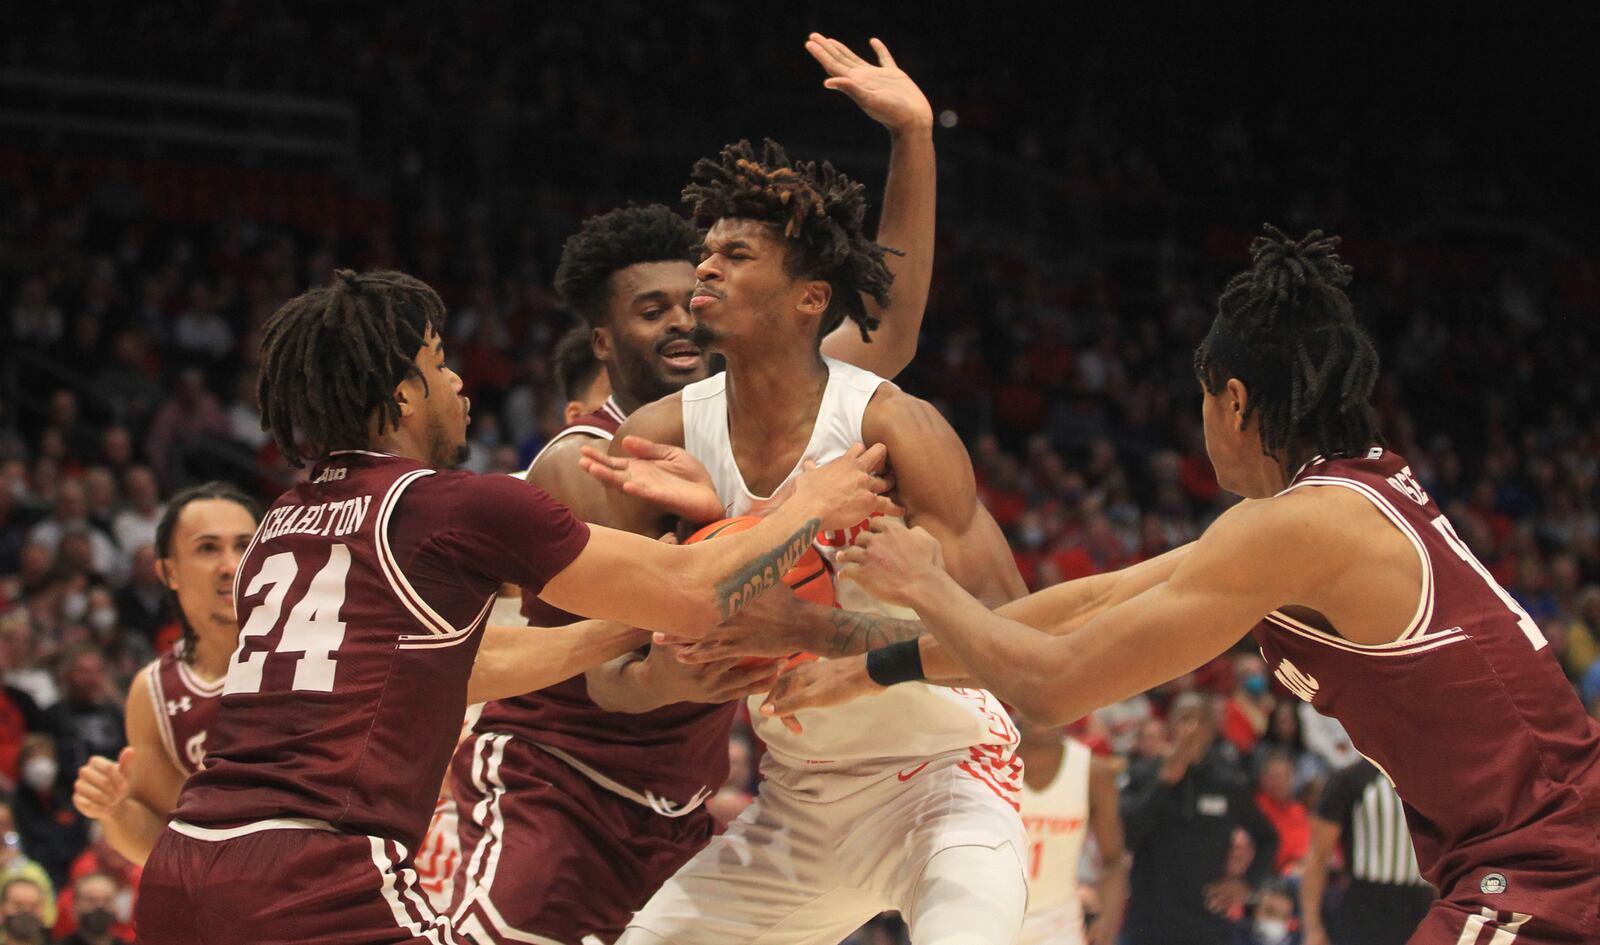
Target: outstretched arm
515, 660
891, 98
1249, 562
685, 590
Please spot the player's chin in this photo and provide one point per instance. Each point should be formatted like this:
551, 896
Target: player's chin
460, 454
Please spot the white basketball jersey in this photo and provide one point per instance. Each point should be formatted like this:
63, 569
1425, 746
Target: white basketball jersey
1057, 821
908, 721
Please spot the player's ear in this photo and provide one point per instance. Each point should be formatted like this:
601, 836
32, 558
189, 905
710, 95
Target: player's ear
815, 298
167, 573
405, 394
574, 411
600, 341
1238, 400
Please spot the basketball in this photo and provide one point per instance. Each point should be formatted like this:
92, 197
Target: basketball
811, 578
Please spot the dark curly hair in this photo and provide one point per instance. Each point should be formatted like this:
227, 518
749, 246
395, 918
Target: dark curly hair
1286, 329
616, 240
820, 212
333, 355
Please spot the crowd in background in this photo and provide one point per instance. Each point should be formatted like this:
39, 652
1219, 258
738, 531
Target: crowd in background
1057, 341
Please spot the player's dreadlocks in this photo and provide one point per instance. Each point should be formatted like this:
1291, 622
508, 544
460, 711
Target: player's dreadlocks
820, 212
617, 240
1286, 329
333, 355
576, 366
227, 492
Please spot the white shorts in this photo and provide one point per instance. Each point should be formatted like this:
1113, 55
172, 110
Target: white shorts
802, 866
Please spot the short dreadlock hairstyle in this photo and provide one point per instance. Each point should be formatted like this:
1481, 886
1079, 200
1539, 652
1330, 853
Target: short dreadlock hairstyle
820, 212
613, 241
333, 355
575, 364
1286, 329
168, 522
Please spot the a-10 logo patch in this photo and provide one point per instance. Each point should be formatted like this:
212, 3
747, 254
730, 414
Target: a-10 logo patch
1409, 486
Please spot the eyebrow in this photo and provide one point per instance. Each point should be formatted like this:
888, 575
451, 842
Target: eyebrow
652, 295
726, 246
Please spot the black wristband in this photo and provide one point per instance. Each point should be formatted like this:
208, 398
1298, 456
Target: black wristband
895, 663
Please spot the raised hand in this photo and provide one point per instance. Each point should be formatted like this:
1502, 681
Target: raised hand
846, 491
815, 684
890, 560
883, 91
102, 784
666, 476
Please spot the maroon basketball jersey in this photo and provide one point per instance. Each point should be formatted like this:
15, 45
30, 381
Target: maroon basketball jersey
673, 756
185, 706
1467, 712
361, 597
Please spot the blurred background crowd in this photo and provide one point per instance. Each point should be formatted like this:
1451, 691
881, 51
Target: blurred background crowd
168, 179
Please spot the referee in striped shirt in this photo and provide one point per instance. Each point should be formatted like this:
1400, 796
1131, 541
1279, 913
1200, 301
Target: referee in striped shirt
1386, 897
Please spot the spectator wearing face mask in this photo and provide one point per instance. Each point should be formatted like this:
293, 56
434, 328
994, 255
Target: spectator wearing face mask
1249, 706
14, 863
52, 830
1272, 920
94, 906
22, 905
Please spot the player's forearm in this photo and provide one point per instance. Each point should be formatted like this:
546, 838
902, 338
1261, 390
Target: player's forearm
515, 660
905, 224
621, 685
738, 568
1113, 895
831, 632
132, 828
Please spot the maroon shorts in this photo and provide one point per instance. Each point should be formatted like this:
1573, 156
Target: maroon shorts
547, 852
284, 887
1569, 914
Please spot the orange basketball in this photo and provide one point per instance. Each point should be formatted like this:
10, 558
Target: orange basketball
811, 578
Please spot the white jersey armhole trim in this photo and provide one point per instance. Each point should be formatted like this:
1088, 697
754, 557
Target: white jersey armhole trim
1424, 613
425, 615
158, 700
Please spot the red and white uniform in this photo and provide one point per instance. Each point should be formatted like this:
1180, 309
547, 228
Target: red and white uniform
361, 598
1470, 717
579, 861
1056, 818
185, 706
853, 809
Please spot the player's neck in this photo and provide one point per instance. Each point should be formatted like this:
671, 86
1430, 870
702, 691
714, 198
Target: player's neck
212, 654
1041, 762
777, 393
401, 442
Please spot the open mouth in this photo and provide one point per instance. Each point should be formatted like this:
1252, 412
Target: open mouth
680, 355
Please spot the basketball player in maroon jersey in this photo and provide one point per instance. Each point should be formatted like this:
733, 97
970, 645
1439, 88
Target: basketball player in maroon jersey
577, 801
172, 702
362, 595
1362, 597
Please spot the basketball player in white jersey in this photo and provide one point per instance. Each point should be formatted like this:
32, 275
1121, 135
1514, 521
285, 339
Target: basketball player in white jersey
1067, 792
199, 540
908, 802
